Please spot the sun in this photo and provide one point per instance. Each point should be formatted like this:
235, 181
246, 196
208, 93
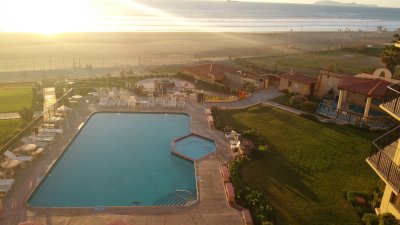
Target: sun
44, 16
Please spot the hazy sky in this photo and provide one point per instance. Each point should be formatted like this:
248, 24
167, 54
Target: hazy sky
381, 3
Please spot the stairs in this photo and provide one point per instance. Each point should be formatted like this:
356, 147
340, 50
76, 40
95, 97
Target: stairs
177, 198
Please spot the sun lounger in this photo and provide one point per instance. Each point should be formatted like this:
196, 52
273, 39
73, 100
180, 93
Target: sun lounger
39, 144
165, 103
158, 102
172, 103
181, 103
12, 156
48, 125
4, 182
151, 102
41, 139
4, 189
103, 101
235, 144
57, 131
47, 134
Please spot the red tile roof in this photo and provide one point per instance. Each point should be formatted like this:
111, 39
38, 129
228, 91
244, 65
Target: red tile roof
298, 78
218, 70
370, 87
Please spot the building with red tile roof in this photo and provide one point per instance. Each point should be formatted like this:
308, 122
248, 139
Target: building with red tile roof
297, 83
364, 86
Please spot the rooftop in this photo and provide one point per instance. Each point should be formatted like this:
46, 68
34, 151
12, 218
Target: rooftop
292, 76
218, 70
365, 86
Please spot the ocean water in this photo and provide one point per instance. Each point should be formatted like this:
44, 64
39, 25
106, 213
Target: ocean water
243, 17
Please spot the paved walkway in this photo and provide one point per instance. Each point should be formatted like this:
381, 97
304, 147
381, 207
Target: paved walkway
211, 209
255, 98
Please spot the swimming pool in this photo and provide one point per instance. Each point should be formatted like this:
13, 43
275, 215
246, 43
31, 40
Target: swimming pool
194, 147
360, 110
121, 159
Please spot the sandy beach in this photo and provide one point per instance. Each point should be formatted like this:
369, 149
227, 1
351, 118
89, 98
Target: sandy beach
104, 51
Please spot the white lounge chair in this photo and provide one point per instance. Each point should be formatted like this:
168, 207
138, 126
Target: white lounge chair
4, 182
54, 130
172, 103
12, 156
158, 102
41, 139
39, 144
151, 103
181, 103
165, 103
4, 189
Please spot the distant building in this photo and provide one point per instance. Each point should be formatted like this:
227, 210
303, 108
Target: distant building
224, 75
296, 83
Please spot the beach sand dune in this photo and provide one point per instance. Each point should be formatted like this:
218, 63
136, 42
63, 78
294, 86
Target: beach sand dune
34, 52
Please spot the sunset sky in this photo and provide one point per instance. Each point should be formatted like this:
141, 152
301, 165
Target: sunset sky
54, 16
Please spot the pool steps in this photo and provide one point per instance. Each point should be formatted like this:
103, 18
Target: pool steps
177, 198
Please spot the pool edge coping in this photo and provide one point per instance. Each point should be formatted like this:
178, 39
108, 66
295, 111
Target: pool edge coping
93, 208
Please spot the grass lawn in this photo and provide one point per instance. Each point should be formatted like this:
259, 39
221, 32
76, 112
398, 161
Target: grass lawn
7, 127
14, 97
309, 167
351, 62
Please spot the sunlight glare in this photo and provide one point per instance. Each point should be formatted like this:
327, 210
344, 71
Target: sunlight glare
43, 16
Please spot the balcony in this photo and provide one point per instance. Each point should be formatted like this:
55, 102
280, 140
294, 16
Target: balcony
391, 104
381, 158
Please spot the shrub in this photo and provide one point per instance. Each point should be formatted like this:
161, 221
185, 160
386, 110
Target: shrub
387, 219
294, 101
370, 219
309, 106
250, 134
354, 197
309, 116
286, 91
263, 148
228, 128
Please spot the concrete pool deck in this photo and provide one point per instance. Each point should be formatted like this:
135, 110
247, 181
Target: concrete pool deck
212, 207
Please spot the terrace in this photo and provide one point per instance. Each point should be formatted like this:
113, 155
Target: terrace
384, 154
211, 209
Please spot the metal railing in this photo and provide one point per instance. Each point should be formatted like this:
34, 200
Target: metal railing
356, 119
382, 162
391, 101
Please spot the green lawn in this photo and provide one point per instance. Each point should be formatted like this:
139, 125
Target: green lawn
6, 128
351, 62
14, 97
309, 167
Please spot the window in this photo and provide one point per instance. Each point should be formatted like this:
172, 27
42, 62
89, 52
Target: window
289, 83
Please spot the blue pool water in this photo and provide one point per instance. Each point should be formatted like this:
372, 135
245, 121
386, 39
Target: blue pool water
360, 110
195, 147
120, 159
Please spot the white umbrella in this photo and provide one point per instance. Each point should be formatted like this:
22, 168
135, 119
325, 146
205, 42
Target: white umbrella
9, 164
63, 108
29, 147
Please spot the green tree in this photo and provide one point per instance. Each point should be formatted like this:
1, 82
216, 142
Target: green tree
26, 114
391, 58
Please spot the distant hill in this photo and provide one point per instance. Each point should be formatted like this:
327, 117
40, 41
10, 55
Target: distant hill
334, 3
